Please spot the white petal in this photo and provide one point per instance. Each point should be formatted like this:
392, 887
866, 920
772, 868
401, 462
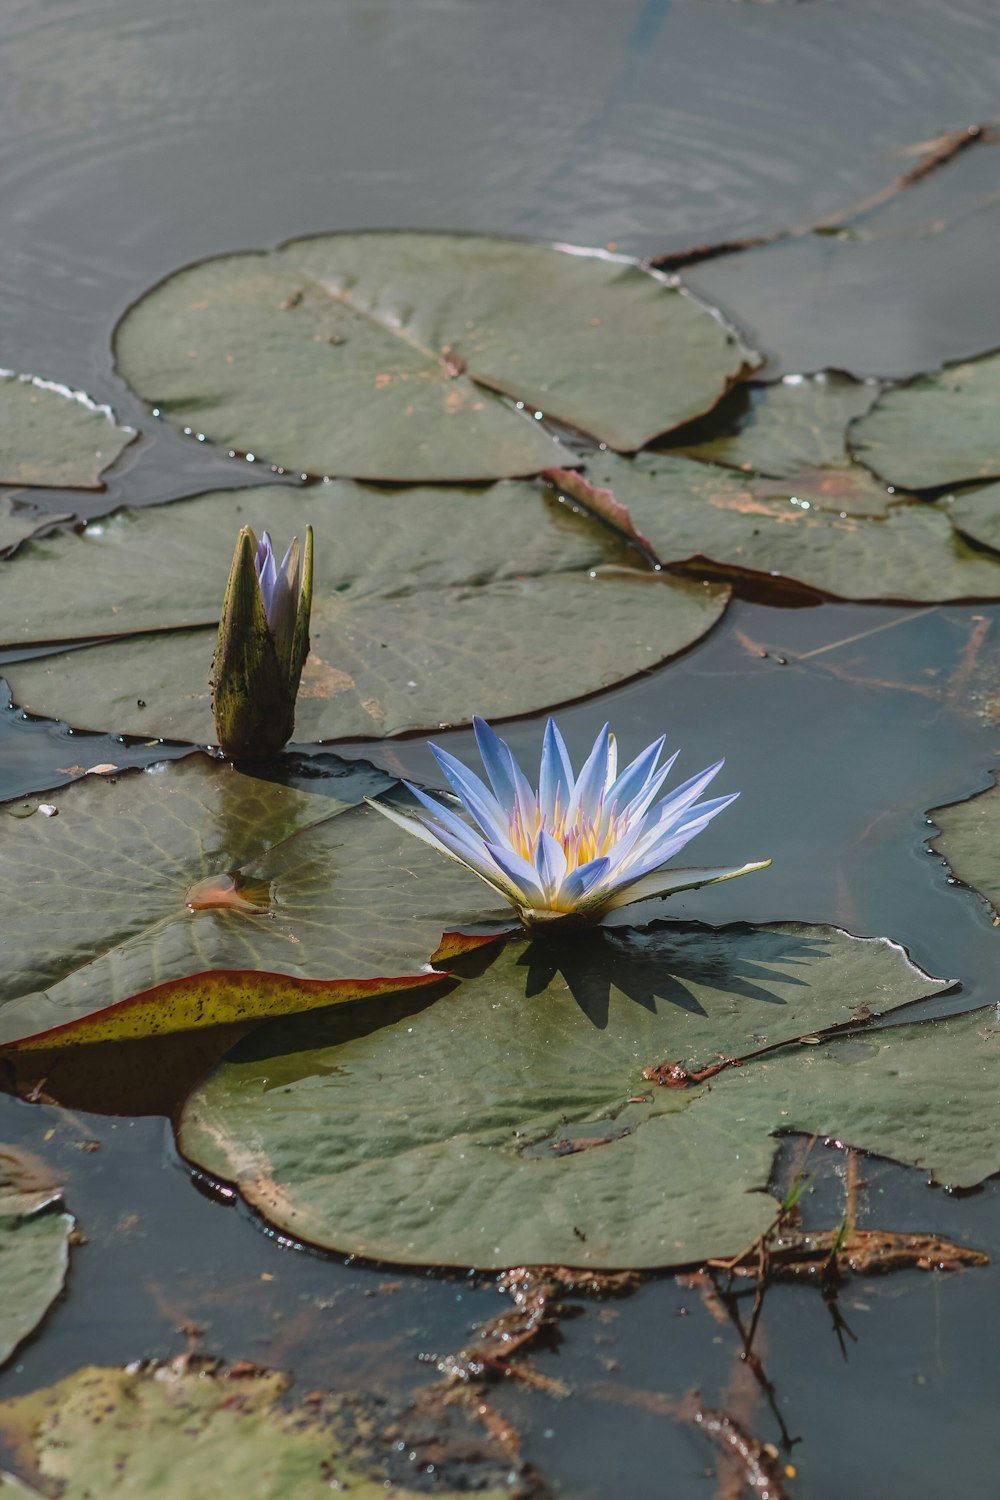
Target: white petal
666, 882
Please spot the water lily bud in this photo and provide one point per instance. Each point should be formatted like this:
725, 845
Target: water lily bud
262, 646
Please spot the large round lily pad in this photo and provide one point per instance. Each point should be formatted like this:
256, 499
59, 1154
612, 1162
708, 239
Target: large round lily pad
189, 895
388, 355
795, 430
970, 841
53, 437
429, 607
697, 513
937, 430
170, 1431
34, 1247
509, 1122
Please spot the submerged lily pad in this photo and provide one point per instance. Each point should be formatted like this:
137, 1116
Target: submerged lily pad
701, 513
170, 1431
53, 437
795, 430
34, 1247
970, 841
389, 354
189, 895
428, 607
937, 430
977, 515
509, 1123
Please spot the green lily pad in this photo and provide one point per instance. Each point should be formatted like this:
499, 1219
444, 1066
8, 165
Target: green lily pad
189, 895
795, 430
428, 607
977, 515
926, 1093
169, 1431
54, 437
389, 354
509, 1123
970, 841
937, 430
700, 513
34, 1247
17, 525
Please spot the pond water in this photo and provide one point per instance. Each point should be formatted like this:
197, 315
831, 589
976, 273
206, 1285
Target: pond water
135, 140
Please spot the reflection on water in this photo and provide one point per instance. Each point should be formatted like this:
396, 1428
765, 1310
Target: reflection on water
133, 142
911, 287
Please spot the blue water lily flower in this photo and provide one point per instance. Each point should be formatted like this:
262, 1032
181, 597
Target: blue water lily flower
579, 846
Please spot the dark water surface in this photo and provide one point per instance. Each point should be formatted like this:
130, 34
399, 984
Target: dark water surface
136, 138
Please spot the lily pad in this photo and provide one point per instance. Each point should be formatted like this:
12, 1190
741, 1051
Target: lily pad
701, 513
970, 841
189, 895
17, 525
977, 515
396, 355
509, 1123
937, 430
795, 430
169, 1431
54, 437
428, 607
926, 1093
34, 1247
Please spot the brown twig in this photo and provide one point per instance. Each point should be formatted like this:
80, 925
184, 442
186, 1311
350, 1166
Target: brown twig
674, 1075
758, 1461
936, 153
537, 1310
960, 678
740, 1399
535, 1313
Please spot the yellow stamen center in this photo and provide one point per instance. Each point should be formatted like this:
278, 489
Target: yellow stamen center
581, 840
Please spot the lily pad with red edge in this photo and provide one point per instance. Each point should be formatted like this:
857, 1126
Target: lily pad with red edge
795, 431
424, 356
34, 1246
53, 437
429, 605
190, 895
512, 1121
713, 519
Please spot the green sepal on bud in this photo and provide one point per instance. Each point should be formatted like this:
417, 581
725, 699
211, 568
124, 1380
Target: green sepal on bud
262, 646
